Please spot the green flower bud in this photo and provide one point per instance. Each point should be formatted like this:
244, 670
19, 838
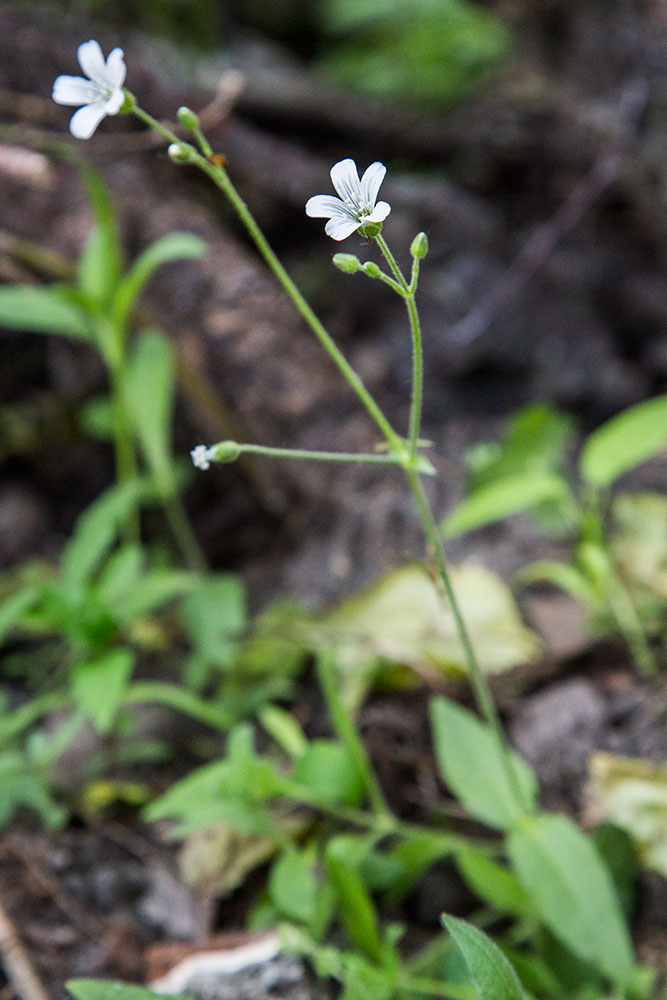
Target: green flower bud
419, 246
188, 118
179, 152
347, 263
226, 451
371, 269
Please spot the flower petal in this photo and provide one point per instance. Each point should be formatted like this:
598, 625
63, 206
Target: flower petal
74, 90
379, 213
114, 103
324, 206
370, 183
345, 179
339, 228
85, 120
115, 69
92, 62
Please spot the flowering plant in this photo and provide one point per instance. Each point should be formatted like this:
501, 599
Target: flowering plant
357, 205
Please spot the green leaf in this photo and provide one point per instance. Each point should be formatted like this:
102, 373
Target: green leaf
150, 388
343, 855
155, 589
104, 989
329, 775
26, 786
624, 442
42, 310
176, 246
470, 762
494, 884
493, 976
96, 531
293, 887
98, 686
504, 498
572, 891
215, 616
101, 262
13, 607
568, 578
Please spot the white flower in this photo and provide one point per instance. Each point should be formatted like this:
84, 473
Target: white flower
202, 457
356, 206
101, 94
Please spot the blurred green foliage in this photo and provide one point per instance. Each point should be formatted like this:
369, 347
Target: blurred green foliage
425, 51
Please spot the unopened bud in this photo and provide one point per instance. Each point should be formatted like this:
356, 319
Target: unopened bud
187, 117
371, 269
347, 263
419, 246
226, 451
179, 152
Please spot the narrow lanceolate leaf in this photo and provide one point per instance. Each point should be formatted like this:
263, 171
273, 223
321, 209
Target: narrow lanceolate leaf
470, 761
104, 989
492, 975
101, 261
572, 891
42, 310
624, 442
176, 246
504, 498
150, 392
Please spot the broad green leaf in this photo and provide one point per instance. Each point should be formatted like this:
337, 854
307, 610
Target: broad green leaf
101, 262
215, 616
96, 530
293, 887
176, 246
150, 390
42, 310
504, 498
632, 793
98, 686
492, 974
122, 571
404, 618
282, 726
473, 767
343, 855
572, 891
105, 989
494, 884
624, 442
329, 775
365, 981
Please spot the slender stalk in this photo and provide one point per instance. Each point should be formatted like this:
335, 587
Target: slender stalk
624, 611
347, 732
407, 292
184, 535
478, 681
320, 456
221, 179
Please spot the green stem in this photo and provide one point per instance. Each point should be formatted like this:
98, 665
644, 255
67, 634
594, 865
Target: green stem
125, 456
181, 700
184, 535
407, 292
478, 681
347, 732
624, 611
221, 179
320, 456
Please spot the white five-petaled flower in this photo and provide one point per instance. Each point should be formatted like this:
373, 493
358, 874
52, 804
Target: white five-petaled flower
101, 94
356, 206
202, 457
